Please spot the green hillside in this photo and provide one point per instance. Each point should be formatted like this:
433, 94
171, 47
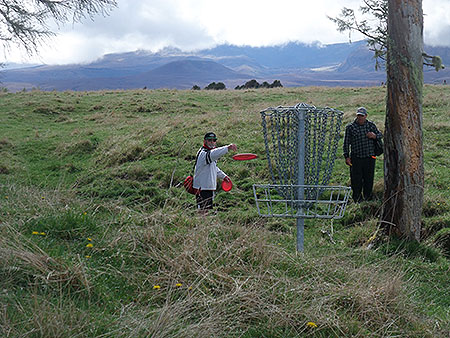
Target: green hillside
99, 239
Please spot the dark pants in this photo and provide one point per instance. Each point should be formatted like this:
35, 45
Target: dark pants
361, 174
205, 199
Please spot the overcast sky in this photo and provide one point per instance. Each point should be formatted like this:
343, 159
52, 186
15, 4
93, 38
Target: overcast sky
195, 24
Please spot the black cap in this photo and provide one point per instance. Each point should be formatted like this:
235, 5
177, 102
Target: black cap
361, 111
210, 136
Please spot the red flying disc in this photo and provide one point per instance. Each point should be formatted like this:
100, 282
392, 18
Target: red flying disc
244, 157
227, 185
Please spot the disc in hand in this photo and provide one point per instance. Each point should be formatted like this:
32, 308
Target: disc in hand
227, 185
244, 157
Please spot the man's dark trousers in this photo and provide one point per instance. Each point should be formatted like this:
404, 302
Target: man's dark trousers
361, 174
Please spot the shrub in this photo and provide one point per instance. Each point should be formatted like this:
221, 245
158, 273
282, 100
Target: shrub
276, 83
253, 84
215, 86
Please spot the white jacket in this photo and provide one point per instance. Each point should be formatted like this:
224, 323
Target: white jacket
206, 170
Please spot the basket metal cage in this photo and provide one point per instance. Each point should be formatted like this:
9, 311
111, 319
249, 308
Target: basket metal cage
328, 202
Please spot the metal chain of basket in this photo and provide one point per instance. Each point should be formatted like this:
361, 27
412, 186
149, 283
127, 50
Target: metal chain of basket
280, 129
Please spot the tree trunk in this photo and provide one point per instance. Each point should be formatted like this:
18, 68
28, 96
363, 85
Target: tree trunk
403, 159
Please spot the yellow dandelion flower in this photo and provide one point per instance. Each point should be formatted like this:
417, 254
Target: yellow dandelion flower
35, 233
156, 287
90, 245
89, 239
85, 213
178, 284
190, 288
43, 197
372, 238
87, 256
42, 233
311, 324
6, 197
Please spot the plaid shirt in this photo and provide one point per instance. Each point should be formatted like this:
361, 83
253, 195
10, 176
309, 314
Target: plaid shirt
357, 141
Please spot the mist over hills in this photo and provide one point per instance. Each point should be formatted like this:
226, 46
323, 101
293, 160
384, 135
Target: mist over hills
294, 64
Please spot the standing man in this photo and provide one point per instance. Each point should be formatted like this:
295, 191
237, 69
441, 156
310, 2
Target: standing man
359, 153
206, 171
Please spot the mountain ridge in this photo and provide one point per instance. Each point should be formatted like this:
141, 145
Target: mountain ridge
295, 64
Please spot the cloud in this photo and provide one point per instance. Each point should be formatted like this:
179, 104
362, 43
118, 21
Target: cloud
195, 24
436, 22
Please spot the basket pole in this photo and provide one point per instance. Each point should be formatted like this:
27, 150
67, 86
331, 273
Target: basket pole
301, 177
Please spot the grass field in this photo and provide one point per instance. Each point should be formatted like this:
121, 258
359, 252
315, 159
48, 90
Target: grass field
98, 238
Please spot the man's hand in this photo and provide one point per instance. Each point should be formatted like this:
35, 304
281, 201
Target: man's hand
371, 135
232, 147
348, 161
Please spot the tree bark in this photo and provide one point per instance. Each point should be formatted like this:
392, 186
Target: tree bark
403, 159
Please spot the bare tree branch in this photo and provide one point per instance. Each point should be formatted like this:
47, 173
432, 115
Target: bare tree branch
375, 32
25, 22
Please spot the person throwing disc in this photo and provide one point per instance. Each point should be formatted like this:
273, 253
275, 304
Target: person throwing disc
206, 171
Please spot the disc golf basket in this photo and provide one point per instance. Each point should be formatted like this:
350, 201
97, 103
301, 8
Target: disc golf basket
301, 143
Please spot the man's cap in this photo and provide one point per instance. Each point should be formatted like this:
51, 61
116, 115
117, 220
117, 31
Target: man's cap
361, 111
210, 136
